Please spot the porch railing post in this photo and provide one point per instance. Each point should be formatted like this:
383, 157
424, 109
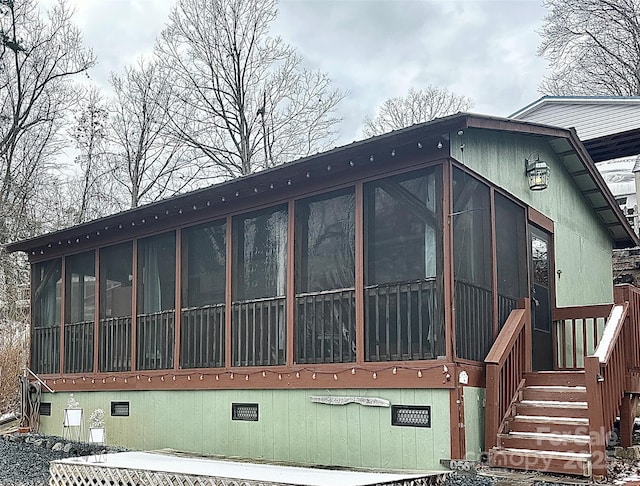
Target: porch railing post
597, 432
525, 304
492, 418
621, 293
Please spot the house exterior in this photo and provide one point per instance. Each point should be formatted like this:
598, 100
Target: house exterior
354, 308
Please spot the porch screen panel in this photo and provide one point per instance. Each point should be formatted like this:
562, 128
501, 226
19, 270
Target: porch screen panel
259, 288
46, 295
114, 329
80, 287
203, 296
325, 278
404, 260
155, 298
472, 267
511, 251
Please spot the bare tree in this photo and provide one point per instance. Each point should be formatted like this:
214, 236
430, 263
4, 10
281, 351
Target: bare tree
240, 97
416, 107
89, 133
144, 160
38, 57
37, 63
593, 47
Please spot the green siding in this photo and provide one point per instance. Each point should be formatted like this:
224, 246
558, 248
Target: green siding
290, 428
474, 422
582, 246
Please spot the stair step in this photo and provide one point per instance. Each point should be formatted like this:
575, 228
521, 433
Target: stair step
548, 461
555, 404
555, 378
544, 442
565, 393
542, 424
552, 409
555, 420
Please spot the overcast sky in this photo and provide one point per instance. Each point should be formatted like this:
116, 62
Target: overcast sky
374, 49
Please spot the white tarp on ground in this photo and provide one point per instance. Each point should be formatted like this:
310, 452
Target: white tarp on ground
244, 471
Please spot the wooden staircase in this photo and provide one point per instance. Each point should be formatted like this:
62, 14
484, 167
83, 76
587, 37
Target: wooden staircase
560, 421
547, 427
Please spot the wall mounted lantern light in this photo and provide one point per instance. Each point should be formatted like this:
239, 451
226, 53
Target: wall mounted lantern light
537, 173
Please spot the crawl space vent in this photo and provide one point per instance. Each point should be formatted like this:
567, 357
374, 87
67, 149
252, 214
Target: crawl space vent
119, 409
45, 409
411, 415
244, 411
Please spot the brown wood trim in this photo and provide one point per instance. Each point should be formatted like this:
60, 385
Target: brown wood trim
134, 303
447, 249
359, 281
552, 270
96, 314
177, 299
525, 304
555, 350
63, 306
494, 260
581, 312
32, 274
539, 219
291, 288
475, 372
392, 375
228, 293
456, 423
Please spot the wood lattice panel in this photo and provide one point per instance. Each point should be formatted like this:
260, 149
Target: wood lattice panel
68, 474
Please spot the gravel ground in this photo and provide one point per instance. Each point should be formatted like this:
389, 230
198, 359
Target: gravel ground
24, 460
25, 464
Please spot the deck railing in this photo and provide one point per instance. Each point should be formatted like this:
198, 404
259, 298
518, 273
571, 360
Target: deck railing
403, 321
474, 311
506, 363
45, 350
505, 306
326, 327
78, 347
202, 337
155, 340
258, 332
114, 344
577, 333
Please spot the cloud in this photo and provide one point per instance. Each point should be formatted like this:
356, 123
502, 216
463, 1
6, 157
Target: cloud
120, 31
378, 49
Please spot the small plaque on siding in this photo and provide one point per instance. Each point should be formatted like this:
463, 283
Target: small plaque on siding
364, 401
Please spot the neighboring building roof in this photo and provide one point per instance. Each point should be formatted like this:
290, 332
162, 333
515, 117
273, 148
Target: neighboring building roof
609, 126
343, 162
618, 175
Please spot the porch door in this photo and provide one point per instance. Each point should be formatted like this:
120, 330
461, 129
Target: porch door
540, 278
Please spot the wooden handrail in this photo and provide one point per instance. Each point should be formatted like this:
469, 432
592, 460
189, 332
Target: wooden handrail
581, 312
605, 372
612, 330
506, 363
504, 342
